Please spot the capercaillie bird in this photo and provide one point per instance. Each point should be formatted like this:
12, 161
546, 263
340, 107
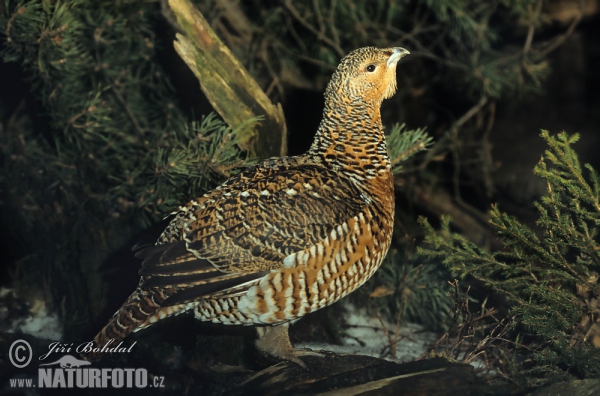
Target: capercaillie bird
286, 236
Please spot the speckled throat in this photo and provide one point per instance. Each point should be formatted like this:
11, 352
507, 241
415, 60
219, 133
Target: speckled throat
352, 140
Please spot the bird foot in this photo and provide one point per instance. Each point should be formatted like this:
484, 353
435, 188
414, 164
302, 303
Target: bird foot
274, 341
294, 356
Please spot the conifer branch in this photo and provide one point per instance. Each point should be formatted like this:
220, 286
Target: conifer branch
543, 277
403, 144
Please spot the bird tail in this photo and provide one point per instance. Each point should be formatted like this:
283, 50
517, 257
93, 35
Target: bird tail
172, 279
135, 314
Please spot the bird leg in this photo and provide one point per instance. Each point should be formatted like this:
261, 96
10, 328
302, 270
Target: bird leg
275, 341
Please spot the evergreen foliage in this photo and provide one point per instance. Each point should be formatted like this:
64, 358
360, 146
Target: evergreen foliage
403, 144
551, 276
120, 155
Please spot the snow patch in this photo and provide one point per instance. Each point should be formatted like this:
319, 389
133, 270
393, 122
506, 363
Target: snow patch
33, 319
413, 340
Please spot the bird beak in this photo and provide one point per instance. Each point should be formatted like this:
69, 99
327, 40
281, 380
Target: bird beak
398, 54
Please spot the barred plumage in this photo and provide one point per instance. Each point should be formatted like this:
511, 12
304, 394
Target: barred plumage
287, 236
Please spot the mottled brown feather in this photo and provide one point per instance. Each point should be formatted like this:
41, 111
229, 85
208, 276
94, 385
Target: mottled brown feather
288, 235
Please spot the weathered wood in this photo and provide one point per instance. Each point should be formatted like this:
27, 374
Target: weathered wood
231, 90
343, 375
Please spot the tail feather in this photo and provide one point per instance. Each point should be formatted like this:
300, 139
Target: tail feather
172, 277
132, 316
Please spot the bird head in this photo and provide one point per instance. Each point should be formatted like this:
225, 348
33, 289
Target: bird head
367, 74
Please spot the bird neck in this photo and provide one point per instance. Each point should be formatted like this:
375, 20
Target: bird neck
350, 139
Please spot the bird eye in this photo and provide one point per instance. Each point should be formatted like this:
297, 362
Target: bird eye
371, 68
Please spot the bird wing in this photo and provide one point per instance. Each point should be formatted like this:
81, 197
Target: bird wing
223, 243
